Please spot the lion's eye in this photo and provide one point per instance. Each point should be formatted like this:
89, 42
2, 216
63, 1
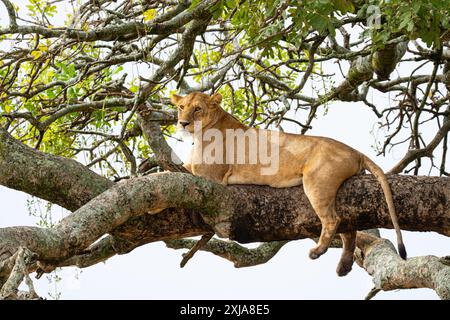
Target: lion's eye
197, 109
181, 107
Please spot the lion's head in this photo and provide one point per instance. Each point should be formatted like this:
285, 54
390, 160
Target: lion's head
197, 106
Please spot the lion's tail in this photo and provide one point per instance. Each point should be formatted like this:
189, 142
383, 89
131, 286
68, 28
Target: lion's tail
381, 177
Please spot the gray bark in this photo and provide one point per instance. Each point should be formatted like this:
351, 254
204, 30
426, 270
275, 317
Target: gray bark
59, 180
390, 272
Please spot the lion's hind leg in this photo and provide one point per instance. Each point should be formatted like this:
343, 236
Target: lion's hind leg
321, 187
346, 261
330, 222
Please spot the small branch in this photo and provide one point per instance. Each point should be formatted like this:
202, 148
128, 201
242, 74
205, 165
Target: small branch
198, 245
164, 154
415, 154
311, 62
372, 293
23, 259
129, 156
11, 14
146, 165
232, 251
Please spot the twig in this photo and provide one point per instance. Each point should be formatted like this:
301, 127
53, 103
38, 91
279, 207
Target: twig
372, 293
198, 245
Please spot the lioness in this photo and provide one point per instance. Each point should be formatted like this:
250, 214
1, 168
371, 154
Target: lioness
321, 164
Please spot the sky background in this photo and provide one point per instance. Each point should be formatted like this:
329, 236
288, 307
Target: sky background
152, 271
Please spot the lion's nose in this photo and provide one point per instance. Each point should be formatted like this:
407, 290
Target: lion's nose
184, 123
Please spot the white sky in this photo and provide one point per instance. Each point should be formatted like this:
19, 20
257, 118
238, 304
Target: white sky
152, 271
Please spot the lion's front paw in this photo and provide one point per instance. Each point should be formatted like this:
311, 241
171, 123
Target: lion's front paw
316, 252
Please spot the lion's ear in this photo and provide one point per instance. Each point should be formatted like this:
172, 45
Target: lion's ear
216, 98
175, 99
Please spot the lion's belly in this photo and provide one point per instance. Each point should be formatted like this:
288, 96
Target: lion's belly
288, 182
287, 177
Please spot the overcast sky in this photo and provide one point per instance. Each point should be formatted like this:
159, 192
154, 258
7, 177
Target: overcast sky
152, 271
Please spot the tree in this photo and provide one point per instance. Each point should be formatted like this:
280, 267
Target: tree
74, 123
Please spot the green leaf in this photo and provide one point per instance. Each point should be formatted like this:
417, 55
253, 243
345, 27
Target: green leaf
194, 3
217, 10
118, 69
344, 6
71, 93
50, 93
318, 22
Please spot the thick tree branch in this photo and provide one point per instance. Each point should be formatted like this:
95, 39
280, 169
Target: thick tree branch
125, 200
242, 213
11, 14
123, 31
230, 250
59, 180
390, 272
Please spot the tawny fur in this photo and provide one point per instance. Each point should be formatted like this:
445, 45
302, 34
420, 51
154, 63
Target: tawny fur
320, 164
